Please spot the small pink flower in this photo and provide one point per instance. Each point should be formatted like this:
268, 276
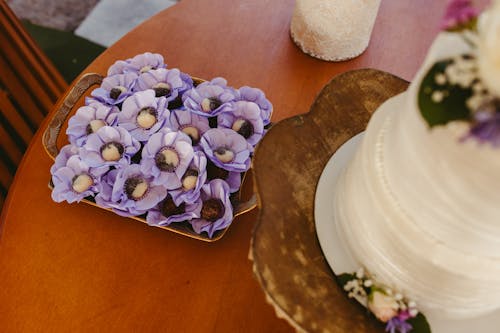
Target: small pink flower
458, 13
383, 306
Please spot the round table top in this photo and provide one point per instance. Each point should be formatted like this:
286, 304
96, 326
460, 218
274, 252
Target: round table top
79, 268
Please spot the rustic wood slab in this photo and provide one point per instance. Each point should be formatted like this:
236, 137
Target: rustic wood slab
288, 261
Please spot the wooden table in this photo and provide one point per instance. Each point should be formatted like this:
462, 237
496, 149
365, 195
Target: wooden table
79, 268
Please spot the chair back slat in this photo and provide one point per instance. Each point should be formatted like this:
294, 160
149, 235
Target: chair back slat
13, 121
21, 95
10, 148
6, 177
29, 87
31, 56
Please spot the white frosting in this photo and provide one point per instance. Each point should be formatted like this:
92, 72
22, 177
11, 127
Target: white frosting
333, 30
420, 209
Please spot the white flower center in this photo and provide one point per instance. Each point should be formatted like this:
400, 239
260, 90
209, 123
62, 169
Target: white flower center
161, 85
96, 124
145, 69
146, 118
167, 160
205, 105
210, 104
224, 155
111, 151
171, 157
136, 187
189, 182
238, 124
193, 133
82, 183
140, 190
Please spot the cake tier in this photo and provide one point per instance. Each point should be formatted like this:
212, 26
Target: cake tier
418, 207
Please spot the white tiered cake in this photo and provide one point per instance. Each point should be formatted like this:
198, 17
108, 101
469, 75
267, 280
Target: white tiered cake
419, 208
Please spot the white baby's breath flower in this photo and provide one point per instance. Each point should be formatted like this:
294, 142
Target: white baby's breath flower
489, 48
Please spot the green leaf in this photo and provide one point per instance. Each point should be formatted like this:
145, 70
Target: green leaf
451, 107
469, 25
344, 278
420, 324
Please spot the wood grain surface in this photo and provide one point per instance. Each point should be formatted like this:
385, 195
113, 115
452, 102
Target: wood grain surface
78, 268
288, 163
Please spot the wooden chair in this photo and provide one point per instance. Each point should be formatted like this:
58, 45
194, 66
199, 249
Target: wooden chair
29, 87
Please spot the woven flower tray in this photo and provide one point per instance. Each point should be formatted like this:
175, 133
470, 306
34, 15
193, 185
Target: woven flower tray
52, 138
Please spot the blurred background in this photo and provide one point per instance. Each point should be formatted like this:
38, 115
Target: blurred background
73, 32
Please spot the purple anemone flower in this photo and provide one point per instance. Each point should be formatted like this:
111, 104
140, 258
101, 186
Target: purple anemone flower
166, 156
167, 212
119, 67
486, 128
114, 89
192, 180
190, 123
75, 180
88, 119
210, 98
109, 146
458, 13
226, 149
145, 62
170, 83
258, 97
129, 192
143, 114
62, 158
245, 120
217, 211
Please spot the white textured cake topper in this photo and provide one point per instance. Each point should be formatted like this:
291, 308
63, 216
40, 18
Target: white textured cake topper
333, 30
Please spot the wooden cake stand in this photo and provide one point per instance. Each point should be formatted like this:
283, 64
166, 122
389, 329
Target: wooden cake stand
288, 261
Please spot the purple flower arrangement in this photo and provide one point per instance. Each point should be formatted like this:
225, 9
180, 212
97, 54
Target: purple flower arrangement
459, 14
399, 314
465, 87
151, 143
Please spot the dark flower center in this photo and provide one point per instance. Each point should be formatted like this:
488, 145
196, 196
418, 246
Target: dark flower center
176, 103
136, 188
224, 154
115, 92
243, 127
214, 172
193, 133
210, 104
167, 159
146, 117
81, 183
161, 89
168, 207
112, 151
189, 179
212, 210
94, 125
